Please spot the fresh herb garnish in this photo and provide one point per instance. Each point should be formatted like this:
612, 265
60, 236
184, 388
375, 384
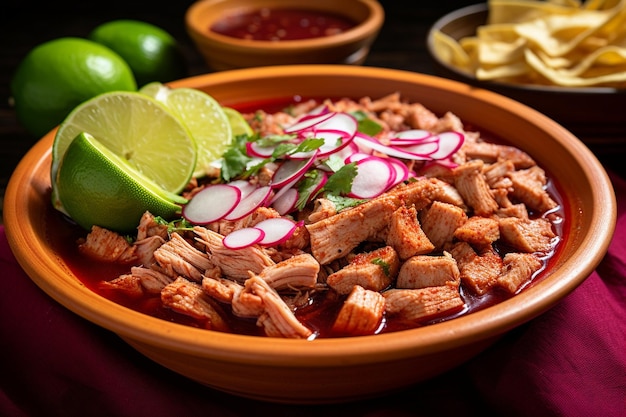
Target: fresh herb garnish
384, 265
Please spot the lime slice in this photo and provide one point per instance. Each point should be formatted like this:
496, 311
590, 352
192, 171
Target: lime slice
238, 124
98, 187
138, 129
203, 116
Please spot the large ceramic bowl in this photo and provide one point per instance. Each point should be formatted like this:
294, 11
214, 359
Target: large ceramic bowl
340, 369
594, 114
223, 52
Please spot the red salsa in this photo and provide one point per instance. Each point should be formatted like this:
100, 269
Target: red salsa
282, 24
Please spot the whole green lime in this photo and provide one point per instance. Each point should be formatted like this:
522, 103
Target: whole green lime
58, 75
152, 53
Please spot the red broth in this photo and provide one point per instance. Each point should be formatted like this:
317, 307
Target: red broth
318, 316
282, 25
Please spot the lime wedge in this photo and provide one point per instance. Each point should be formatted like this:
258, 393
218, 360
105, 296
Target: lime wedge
98, 187
137, 128
202, 115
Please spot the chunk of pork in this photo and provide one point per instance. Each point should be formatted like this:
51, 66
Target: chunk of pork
478, 231
416, 305
277, 319
479, 272
440, 221
361, 313
188, 298
517, 270
373, 270
527, 235
428, 271
406, 235
297, 272
107, 246
529, 188
473, 187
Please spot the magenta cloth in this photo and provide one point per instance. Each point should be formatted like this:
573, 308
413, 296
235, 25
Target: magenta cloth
570, 361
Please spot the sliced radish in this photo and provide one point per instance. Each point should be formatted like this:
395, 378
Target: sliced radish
252, 201
212, 203
369, 143
356, 156
254, 149
246, 187
286, 202
307, 122
423, 149
402, 171
277, 230
449, 143
291, 171
242, 238
410, 136
374, 176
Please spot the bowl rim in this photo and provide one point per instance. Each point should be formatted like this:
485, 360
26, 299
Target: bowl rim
360, 31
51, 275
483, 8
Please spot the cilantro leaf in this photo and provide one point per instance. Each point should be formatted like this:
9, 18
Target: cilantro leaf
365, 124
341, 181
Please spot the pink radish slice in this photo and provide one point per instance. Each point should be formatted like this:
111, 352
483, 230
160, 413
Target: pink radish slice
253, 149
245, 186
410, 136
369, 143
374, 176
356, 156
291, 171
212, 203
307, 122
277, 230
449, 143
402, 171
286, 202
247, 205
424, 149
242, 238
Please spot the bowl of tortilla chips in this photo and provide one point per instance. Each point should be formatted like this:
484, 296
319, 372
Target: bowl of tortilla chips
565, 59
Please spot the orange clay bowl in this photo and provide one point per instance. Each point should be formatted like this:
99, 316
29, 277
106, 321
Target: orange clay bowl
341, 369
225, 52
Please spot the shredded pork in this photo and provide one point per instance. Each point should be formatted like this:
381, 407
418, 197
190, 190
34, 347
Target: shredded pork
405, 256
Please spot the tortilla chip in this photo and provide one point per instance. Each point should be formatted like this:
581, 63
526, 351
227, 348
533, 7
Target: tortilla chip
559, 42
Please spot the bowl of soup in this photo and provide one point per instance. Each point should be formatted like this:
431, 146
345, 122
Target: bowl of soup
398, 295
242, 33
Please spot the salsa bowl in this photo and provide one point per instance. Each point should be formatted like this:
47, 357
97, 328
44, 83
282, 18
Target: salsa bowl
223, 51
331, 370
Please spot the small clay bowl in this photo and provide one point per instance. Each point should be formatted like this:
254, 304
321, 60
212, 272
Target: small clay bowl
223, 52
